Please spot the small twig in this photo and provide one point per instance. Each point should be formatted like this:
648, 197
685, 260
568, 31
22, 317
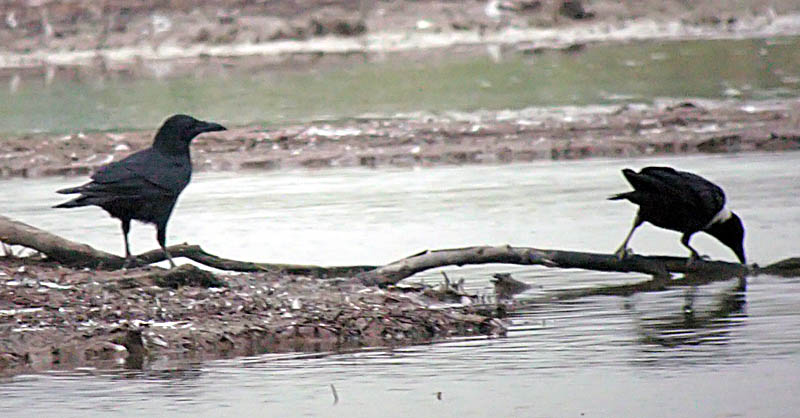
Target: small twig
7, 250
195, 253
335, 395
418, 254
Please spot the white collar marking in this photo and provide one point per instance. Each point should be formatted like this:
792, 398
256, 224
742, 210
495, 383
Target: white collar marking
723, 215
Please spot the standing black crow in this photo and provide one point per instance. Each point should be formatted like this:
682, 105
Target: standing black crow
682, 202
145, 185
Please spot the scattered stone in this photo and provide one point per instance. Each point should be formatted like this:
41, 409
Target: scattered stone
574, 48
203, 35
505, 286
520, 5
334, 22
719, 144
574, 9
188, 275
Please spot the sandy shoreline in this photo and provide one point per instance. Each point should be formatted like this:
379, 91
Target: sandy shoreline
120, 34
391, 42
498, 137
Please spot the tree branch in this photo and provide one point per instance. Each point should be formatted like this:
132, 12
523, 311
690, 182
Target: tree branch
74, 254
195, 253
658, 266
81, 255
59, 249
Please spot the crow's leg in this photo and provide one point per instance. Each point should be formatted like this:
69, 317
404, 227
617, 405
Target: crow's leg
623, 250
130, 261
161, 236
694, 255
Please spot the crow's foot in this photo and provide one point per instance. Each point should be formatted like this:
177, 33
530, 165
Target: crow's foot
623, 253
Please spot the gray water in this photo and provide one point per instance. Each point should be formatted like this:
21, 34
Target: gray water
71, 100
737, 354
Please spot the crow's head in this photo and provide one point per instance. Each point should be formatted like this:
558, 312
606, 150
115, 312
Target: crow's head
178, 131
731, 233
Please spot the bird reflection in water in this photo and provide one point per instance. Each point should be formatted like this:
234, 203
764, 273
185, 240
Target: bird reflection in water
694, 325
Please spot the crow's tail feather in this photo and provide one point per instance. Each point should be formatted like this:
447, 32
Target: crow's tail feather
74, 203
70, 190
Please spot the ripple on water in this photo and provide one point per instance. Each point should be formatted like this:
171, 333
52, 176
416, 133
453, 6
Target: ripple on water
717, 342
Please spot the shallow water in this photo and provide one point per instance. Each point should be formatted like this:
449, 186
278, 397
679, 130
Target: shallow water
734, 353
70, 100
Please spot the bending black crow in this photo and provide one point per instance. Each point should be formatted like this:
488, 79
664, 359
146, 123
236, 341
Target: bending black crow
145, 185
682, 202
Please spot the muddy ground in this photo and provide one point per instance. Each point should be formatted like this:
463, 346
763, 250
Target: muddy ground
116, 33
487, 138
54, 317
87, 24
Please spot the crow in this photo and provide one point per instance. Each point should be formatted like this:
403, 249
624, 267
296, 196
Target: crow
145, 185
683, 202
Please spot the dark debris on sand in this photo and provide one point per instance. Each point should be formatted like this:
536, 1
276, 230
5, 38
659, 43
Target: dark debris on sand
52, 317
434, 140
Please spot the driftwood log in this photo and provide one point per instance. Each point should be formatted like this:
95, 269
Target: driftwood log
81, 255
74, 254
59, 249
658, 266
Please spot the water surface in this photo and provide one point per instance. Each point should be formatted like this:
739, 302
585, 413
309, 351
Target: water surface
69, 100
715, 350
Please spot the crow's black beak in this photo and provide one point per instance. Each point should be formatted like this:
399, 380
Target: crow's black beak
209, 127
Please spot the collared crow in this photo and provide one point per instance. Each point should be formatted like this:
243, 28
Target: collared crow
682, 202
145, 185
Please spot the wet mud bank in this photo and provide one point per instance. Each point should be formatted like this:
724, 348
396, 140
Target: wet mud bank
678, 127
52, 33
54, 317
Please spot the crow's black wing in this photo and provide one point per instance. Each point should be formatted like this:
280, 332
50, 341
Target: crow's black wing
123, 187
653, 180
145, 169
650, 189
704, 196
